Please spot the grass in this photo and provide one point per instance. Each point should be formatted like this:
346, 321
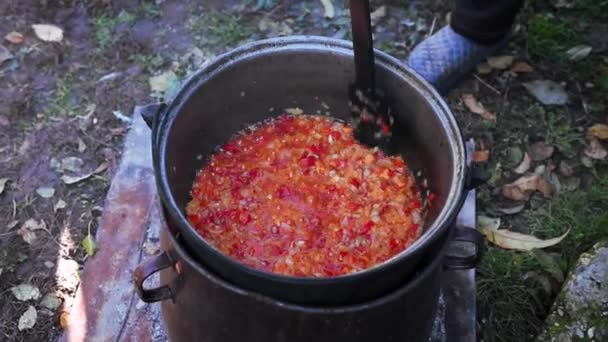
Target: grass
583, 213
104, 27
560, 133
219, 29
603, 78
515, 289
388, 47
150, 62
550, 37
509, 305
61, 103
592, 8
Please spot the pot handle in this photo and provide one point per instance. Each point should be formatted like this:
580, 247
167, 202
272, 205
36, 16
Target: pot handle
150, 112
476, 176
145, 270
464, 237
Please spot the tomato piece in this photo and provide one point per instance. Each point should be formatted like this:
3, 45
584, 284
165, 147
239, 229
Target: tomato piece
280, 197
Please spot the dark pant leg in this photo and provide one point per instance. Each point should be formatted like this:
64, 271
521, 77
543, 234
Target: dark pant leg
485, 21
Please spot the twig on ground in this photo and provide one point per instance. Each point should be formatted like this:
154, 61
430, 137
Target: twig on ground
486, 84
432, 26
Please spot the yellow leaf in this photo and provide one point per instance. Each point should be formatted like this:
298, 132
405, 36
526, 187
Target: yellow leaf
63, 320
599, 131
513, 240
89, 244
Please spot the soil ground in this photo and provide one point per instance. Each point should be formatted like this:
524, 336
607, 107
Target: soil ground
65, 106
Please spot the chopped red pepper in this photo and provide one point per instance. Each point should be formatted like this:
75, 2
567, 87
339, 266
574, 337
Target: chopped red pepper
282, 198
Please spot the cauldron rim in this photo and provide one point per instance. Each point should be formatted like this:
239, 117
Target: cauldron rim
444, 219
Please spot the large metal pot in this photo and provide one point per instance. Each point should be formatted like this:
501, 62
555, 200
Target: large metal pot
200, 306
258, 81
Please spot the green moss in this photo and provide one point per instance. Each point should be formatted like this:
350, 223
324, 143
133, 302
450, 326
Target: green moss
550, 37
217, 29
387, 47
62, 101
150, 10
104, 26
149, 62
603, 78
592, 8
561, 133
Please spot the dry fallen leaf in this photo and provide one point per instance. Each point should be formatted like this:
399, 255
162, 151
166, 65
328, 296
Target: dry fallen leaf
544, 188
14, 37
63, 320
595, 150
28, 319
477, 107
50, 301
3, 182
59, 205
12, 224
328, 7
586, 161
578, 52
483, 68
563, 3
378, 14
48, 33
541, 151
481, 156
525, 164
547, 92
522, 67
25, 292
69, 180
500, 62
45, 191
27, 230
599, 131
522, 188
511, 210
512, 240
565, 169
72, 164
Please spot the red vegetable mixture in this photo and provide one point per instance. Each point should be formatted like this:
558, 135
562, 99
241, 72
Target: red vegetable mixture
300, 196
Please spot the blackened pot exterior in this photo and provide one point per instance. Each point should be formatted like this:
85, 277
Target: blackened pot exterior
203, 307
259, 81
